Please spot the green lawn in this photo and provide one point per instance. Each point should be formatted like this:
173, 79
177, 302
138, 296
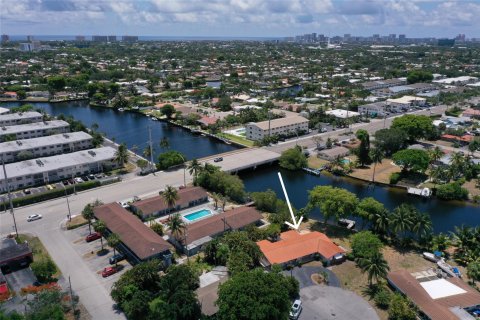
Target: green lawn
237, 139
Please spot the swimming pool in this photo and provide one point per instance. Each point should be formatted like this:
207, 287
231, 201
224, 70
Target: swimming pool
197, 215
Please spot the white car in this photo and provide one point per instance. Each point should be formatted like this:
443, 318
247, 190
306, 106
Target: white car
34, 217
296, 310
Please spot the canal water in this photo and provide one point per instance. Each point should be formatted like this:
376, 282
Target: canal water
132, 129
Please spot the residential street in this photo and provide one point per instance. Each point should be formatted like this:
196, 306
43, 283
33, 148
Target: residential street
86, 284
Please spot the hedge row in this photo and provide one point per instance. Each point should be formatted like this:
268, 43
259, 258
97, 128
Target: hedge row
51, 194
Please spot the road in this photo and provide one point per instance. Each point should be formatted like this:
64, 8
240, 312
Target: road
373, 126
86, 284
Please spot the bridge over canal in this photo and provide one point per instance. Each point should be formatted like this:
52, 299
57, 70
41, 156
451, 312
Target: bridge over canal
242, 159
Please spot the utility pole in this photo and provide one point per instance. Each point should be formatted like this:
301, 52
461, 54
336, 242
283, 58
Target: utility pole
151, 148
9, 196
69, 215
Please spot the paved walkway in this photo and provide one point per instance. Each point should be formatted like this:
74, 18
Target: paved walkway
304, 276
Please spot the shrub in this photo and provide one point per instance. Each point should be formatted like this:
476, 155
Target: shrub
382, 299
44, 269
395, 177
452, 191
293, 159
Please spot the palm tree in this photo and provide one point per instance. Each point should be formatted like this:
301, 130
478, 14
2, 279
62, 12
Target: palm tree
216, 198
170, 196
435, 155
164, 143
121, 155
113, 241
100, 227
176, 225
194, 167
375, 266
422, 225
147, 152
457, 161
440, 242
337, 162
376, 155
402, 218
87, 214
381, 222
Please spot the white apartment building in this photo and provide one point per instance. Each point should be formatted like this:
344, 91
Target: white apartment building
378, 109
404, 103
33, 130
14, 119
19, 150
40, 171
282, 126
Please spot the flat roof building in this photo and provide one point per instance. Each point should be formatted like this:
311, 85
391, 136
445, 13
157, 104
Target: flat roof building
13, 119
156, 206
282, 126
375, 109
201, 232
342, 114
407, 101
4, 110
33, 130
51, 169
299, 247
19, 150
436, 298
139, 242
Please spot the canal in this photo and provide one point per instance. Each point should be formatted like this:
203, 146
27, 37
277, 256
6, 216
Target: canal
132, 128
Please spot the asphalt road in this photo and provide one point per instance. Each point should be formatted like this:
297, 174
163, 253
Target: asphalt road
86, 284
373, 126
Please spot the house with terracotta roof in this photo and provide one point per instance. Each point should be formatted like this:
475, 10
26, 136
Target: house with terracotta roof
465, 139
437, 298
156, 206
294, 247
138, 242
471, 113
201, 232
206, 121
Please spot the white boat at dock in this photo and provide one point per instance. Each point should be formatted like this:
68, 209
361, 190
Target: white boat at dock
434, 257
425, 192
448, 269
121, 109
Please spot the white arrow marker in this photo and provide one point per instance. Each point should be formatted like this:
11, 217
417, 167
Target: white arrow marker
295, 225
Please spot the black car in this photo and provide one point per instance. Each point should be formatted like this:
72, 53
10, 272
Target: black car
116, 258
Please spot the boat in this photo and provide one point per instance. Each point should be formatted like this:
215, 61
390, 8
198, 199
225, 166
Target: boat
121, 109
425, 192
203, 134
154, 119
448, 269
457, 272
434, 257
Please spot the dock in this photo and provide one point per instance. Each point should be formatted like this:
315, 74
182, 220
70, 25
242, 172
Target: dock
425, 192
315, 172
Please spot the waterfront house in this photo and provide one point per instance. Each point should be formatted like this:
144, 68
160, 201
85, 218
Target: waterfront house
138, 242
295, 247
156, 206
332, 154
436, 298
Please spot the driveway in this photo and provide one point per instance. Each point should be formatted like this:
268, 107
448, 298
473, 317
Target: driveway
304, 275
331, 303
20, 279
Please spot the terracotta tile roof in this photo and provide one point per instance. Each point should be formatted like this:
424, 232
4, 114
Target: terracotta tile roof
294, 245
464, 138
154, 204
435, 309
234, 219
139, 238
208, 120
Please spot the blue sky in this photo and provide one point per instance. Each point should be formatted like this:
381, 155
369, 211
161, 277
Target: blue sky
253, 18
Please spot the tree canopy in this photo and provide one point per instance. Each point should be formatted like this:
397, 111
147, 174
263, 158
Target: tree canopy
412, 160
293, 159
415, 126
333, 202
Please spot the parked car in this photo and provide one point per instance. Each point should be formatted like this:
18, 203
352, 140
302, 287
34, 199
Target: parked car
116, 258
91, 177
50, 187
108, 271
78, 180
93, 236
27, 191
218, 159
34, 217
85, 178
65, 182
296, 309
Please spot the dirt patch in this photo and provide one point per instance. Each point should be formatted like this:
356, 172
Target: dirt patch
76, 222
472, 188
409, 260
382, 171
314, 162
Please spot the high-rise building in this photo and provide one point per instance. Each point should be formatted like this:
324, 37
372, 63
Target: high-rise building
26, 47
402, 37
460, 37
79, 38
392, 36
129, 38
99, 38
376, 37
112, 38
29, 38
5, 38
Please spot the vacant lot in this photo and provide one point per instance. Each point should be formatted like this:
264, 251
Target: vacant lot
382, 171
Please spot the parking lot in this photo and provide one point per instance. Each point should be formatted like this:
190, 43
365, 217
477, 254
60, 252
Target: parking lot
47, 187
88, 251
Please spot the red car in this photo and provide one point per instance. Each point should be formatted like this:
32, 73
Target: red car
93, 236
109, 271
